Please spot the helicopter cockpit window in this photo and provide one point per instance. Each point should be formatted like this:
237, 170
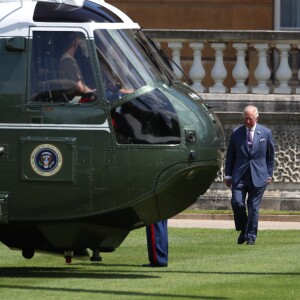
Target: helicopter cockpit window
125, 67
147, 119
60, 68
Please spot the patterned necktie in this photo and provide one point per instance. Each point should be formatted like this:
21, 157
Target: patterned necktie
249, 139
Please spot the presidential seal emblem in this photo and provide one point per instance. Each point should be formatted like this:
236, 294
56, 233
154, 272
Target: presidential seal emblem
46, 160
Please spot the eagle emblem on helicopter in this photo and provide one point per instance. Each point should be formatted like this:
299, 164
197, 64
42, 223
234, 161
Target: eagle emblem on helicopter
46, 160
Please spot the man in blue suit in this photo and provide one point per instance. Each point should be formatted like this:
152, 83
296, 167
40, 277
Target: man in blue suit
249, 169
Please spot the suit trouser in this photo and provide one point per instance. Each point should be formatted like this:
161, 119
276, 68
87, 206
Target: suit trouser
248, 224
157, 242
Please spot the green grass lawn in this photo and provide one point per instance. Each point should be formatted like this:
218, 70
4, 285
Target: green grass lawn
203, 264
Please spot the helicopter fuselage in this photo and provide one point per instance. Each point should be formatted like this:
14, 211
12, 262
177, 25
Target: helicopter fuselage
83, 169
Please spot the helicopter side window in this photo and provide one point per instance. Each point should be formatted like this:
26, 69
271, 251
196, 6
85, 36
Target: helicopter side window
112, 81
120, 54
60, 68
147, 119
118, 72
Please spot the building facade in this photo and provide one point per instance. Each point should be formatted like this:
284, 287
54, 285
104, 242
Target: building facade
200, 14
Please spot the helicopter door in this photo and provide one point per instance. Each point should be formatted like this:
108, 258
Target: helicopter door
66, 142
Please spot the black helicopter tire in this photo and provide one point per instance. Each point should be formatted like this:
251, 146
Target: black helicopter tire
28, 253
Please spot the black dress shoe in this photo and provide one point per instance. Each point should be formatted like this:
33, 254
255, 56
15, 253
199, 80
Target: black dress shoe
250, 242
154, 265
241, 238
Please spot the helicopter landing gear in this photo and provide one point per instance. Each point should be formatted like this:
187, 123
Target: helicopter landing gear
96, 255
28, 253
68, 256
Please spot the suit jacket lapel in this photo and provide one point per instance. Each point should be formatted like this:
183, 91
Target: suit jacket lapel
256, 136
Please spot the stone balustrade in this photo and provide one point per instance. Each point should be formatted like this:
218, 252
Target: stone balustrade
264, 62
231, 69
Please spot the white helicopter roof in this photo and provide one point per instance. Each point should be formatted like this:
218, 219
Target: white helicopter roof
16, 16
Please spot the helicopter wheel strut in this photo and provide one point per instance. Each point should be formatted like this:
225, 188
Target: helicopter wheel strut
68, 256
96, 255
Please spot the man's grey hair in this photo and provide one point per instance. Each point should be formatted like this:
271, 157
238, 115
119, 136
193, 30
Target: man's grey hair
252, 108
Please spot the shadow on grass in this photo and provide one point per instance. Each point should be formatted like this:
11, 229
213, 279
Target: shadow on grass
173, 270
108, 292
47, 272
35, 272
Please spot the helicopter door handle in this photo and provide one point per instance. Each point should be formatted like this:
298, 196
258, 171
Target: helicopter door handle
1, 150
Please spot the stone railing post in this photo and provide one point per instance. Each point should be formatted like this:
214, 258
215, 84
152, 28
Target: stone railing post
218, 72
197, 72
176, 48
284, 72
262, 72
240, 71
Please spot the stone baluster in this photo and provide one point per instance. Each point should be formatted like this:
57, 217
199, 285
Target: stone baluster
240, 71
197, 72
218, 72
176, 65
284, 72
262, 72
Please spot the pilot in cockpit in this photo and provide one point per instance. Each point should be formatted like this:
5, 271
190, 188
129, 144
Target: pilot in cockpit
70, 74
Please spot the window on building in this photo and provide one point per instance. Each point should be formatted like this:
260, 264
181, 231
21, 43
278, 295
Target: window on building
289, 15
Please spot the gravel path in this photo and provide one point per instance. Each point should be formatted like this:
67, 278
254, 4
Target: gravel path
229, 224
